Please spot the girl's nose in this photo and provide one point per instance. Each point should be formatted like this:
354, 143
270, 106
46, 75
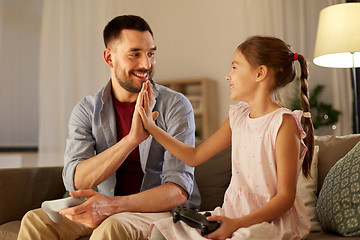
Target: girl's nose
227, 77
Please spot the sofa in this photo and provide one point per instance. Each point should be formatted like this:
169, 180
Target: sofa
26, 188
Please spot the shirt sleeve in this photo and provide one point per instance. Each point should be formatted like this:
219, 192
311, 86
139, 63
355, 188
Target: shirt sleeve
80, 144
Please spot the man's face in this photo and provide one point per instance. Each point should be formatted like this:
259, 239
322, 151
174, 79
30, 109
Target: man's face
133, 58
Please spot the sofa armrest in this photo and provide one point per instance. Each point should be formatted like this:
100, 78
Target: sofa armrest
23, 189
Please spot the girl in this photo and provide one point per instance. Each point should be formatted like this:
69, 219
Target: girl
268, 148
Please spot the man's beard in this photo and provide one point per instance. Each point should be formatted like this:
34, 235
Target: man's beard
128, 84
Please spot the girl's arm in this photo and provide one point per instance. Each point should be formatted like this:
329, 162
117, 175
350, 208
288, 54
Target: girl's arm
287, 154
186, 153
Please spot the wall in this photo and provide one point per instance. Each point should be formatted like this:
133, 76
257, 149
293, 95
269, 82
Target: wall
198, 38
194, 38
20, 24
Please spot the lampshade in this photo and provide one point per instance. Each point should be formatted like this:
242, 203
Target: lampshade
338, 36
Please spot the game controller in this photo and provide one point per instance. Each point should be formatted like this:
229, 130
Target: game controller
53, 207
195, 219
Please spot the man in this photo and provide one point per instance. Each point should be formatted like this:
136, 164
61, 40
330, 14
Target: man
136, 180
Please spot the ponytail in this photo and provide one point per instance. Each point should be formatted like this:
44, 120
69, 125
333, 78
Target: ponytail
307, 124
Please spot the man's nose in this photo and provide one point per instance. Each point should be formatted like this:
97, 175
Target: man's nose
145, 62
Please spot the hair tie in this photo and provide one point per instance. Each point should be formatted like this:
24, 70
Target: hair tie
307, 114
295, 56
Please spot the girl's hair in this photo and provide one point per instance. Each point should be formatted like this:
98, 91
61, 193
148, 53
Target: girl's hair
277, 56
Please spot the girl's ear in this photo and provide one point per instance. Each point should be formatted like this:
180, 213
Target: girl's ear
107, 57
262, 73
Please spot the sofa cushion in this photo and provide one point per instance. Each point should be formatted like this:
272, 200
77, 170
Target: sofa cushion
213, 178
26, 189
331, 149
328, 236
338, 205
307, 189
9, 230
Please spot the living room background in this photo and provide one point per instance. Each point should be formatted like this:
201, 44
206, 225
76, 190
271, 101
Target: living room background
51, 55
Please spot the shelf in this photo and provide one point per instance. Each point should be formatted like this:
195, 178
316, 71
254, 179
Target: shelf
202, 94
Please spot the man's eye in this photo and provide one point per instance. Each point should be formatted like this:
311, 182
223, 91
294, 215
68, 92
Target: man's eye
151, 54
134, 55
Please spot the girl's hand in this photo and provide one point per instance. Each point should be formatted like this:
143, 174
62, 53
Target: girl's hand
145, 106
227, 227
138, 132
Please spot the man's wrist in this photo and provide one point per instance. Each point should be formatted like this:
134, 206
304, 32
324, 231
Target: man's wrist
131, 140
120, 204
113, 206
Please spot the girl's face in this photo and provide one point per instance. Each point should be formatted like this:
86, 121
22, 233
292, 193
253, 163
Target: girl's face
242, 78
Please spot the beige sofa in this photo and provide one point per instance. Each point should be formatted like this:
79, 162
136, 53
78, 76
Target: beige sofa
26, 188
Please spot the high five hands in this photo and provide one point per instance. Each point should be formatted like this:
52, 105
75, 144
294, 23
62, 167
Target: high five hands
138, 131
144, 105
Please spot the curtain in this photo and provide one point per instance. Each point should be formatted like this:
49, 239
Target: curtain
194, 38
71, 66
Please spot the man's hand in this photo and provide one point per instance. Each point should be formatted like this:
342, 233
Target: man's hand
92, 212
145, 106
137, 130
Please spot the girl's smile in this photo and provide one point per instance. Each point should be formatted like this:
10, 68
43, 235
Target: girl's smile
242, 78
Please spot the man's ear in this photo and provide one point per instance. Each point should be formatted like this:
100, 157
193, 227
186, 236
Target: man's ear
262, 73
107, 57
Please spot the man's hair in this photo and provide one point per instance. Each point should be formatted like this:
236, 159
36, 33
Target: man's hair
115, 26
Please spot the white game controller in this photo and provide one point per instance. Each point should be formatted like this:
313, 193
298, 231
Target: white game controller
53, 207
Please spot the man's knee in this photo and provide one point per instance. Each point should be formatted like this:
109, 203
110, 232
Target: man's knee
122, 226
37, 225
112, 227
33, 216
33, 224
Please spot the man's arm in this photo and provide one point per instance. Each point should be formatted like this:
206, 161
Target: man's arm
91, 172
98, 207
83, 169
157, 199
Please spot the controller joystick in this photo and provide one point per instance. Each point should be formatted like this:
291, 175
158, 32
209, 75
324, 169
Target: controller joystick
195, 219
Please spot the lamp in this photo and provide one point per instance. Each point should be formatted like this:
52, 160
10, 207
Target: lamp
338, 42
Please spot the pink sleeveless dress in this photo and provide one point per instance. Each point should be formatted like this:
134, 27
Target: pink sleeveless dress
254, 180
